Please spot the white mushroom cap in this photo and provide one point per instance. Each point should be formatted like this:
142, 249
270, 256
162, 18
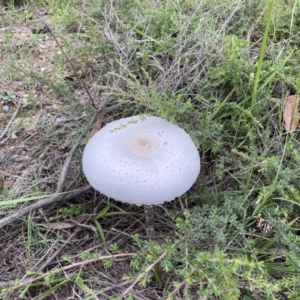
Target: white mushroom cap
141, 160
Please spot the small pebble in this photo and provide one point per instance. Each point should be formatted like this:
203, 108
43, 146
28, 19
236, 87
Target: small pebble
5, 108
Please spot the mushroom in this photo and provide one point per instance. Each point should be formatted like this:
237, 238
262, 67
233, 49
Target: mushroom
143, 160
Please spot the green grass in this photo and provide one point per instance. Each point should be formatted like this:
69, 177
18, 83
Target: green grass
219, 69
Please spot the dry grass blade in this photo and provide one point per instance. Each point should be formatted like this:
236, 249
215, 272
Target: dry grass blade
83, 218
291, 116
67, 223
59, 225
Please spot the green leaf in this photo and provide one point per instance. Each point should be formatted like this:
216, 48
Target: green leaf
79, 282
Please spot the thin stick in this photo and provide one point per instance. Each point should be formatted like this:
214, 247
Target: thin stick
29, 281
179, 286
62, 178
63, 175
141, 275
42, 203
11, 119
65, 55
58, 251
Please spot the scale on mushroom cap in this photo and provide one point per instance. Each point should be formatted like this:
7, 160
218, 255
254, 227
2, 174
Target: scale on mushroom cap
141, 160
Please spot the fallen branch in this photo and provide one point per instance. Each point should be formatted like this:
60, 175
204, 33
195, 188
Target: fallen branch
42, 203
45, 202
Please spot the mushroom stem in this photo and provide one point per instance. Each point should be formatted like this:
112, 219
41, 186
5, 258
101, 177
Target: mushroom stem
149, 220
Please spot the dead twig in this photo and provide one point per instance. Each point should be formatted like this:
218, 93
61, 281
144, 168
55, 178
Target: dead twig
42, 203
11, 120
46, 26
141, 275
16, 147
180, 285
63, 175
62, 178
16, 285
46, 254
58, 251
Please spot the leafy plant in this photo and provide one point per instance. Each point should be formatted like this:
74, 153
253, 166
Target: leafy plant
68, 212
7, 96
